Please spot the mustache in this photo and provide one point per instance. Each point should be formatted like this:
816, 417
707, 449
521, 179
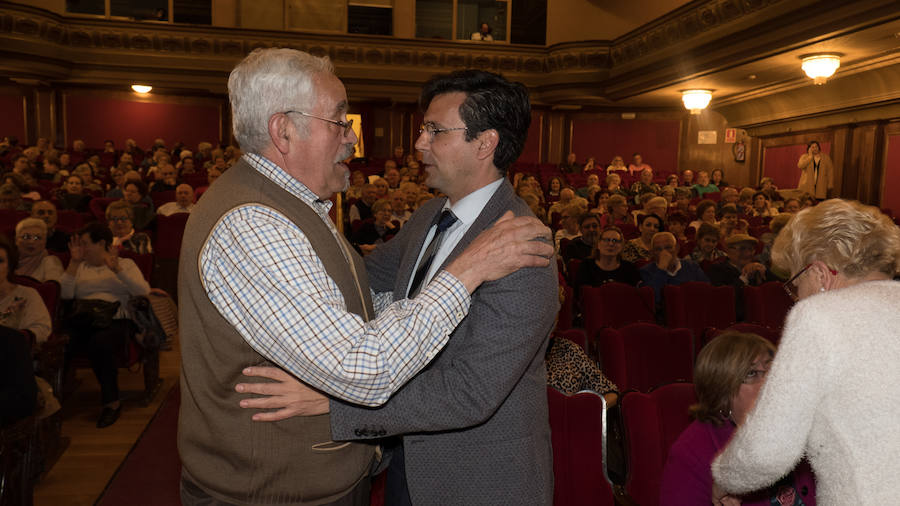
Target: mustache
347, 150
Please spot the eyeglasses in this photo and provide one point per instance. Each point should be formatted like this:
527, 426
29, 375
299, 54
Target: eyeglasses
610, 240
31, 237
431, 130
346, 125
791, 288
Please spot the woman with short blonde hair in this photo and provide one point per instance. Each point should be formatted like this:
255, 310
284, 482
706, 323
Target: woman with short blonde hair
839, 353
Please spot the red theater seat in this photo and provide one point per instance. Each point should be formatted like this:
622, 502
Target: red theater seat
767, 304
615, 305
644, 355
696, 306
653, 422
578, 432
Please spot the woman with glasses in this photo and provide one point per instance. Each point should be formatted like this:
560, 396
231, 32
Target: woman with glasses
831, 392
34, 260
638, 249
119, 217
728, 375
378, 231
606, 264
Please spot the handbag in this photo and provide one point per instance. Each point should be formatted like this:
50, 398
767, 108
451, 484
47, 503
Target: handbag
88, 314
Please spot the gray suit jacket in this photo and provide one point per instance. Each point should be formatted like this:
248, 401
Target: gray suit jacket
474, 422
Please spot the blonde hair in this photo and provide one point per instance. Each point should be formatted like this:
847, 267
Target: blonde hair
120, 205
853, 238
720, 370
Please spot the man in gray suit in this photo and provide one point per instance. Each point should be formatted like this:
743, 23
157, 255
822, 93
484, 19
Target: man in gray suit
474, 424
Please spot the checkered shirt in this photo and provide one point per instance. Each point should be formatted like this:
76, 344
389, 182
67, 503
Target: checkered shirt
262, 274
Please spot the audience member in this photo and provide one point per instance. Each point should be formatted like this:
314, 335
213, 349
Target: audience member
581, 247
728, 220
707, 248
571, 165
703, 185
357, 181
135, 194
381, 187
593, 180
392, 176
687, 178
792, 206
101, 283
120, 218
618, 212
44, 210
167, 179
399, 212
184, 201
483, 34
677, 224
767, 186
706, 213
762, 206
568, 225
816, 172
616, 165
740, 269
665, 268
644, 186
729, 374
72, 195
362, 208
34, 260
638, 249
637, 165
554, 187
605, 264
372, 233
566, 197
717, 178
570, 370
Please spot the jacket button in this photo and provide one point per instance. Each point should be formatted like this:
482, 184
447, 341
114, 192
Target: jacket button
358, 432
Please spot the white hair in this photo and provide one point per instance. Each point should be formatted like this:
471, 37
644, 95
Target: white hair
31, 222
269, 81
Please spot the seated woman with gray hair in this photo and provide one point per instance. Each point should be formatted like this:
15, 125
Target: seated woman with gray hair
830, 389
34, 260
120, 218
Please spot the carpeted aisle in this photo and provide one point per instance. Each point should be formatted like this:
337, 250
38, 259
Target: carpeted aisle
150, 474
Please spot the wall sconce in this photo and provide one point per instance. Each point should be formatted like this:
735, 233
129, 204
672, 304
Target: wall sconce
821, 66
696, 100
143, 89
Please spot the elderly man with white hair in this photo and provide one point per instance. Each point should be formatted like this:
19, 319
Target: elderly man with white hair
184, 201
265, 278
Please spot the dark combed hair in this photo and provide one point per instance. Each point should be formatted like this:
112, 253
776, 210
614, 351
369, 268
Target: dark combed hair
97, 232
491, 102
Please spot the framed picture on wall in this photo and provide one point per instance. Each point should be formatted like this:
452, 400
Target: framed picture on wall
740, 151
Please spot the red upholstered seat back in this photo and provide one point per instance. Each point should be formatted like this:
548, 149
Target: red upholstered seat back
653, 422
770, 334
696, 306
643, 355
767, 304
615, 305
169, 233
577, 425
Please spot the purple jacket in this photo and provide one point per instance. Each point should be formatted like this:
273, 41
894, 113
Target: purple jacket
687, 479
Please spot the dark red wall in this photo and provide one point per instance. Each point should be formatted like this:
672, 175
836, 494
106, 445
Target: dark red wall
95, 119
531, 153
890, 198
12, 117
657, 141
780, 163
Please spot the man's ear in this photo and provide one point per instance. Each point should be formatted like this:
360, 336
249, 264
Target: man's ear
280, 131
488, 141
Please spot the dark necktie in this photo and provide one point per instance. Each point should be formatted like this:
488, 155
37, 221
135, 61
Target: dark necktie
446, 220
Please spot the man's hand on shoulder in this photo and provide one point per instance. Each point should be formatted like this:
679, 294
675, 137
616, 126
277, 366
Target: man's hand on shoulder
506, 247
285, 394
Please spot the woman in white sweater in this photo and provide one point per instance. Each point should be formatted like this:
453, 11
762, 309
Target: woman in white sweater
831, 391
96, 272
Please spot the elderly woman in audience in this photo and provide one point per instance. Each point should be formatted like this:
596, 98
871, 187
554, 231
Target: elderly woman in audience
568, 225
357, 180
21, 307
638, 249
379, 231
614, 185
120, 217
569, 370
728, 375
617, 213
762, 206
34, 261
96, 273
728, 221
839, 350
792, 206
707, 248
606, 264
706, 213
72, 195
135, 194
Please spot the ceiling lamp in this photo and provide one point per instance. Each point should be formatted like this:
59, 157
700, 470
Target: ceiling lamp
820, 67
141, 88
696, 100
